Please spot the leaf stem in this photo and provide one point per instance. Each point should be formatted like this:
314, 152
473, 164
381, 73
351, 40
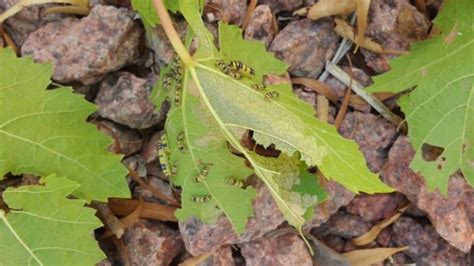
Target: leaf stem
170, 31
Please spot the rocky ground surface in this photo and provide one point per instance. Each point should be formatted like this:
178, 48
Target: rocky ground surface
107, 56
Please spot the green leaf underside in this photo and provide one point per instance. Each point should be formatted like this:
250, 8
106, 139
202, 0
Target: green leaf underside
206, 146
440, 110
216, 110
147, 11
46, 228
44, 132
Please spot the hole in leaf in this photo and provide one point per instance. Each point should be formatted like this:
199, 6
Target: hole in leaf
430, 152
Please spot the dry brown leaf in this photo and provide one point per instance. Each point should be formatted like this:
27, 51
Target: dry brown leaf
196, 260
75, 10
362, 11
364, 257
112, 224
325, 8
370, 236
346, 31
128, 220
317, 86
123, 207
322, 106
250, 9
153, 190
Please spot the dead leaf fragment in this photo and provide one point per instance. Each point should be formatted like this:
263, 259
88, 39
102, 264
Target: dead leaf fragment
325, 8
370, 236
363, 257
317, 86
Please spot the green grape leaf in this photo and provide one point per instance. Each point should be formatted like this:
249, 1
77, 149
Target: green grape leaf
213, 111
440, 110
190, 10
43, 227
45, 131
147, 10
202, 146
234, 47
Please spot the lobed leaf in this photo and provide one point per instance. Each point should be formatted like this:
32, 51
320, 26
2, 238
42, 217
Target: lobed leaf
44, 132
43, 227
439, 111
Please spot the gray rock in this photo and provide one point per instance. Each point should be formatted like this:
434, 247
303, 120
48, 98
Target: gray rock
306, 45
281, 5
29, 19
151, 243
452, 216
126, 140
124, 98
85, 50
158, 42
260, 26
347, 225
394, 25
230, 11
338, 196
221, 257
425, 246
200, 237
284, 249
375, 207
373, 134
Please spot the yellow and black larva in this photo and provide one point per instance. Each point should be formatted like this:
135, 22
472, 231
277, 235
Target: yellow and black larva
272, 95
199, 178
163, 155
234, 182
177, 96
226, 69
242, 68
258, 86
201, 199
181, 142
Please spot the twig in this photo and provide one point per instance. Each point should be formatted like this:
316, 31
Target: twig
250, 9
338, 73
344, 47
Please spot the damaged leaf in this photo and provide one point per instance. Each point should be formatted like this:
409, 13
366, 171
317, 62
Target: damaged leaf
213, 107
440, 110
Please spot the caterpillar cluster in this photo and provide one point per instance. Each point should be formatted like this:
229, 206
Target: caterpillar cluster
201, 199
203, 173
175, 75
164, 155
238, 70
234, 182
226, 69
180, 140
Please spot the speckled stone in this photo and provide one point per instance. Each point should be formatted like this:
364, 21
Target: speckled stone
285, 249
306, 45
200, 237
451, 216
124, 98
260, 26
373, 134
86, 49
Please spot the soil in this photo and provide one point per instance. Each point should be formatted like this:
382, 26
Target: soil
108, 56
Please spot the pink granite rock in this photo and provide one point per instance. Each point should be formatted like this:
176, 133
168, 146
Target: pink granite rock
86, 49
